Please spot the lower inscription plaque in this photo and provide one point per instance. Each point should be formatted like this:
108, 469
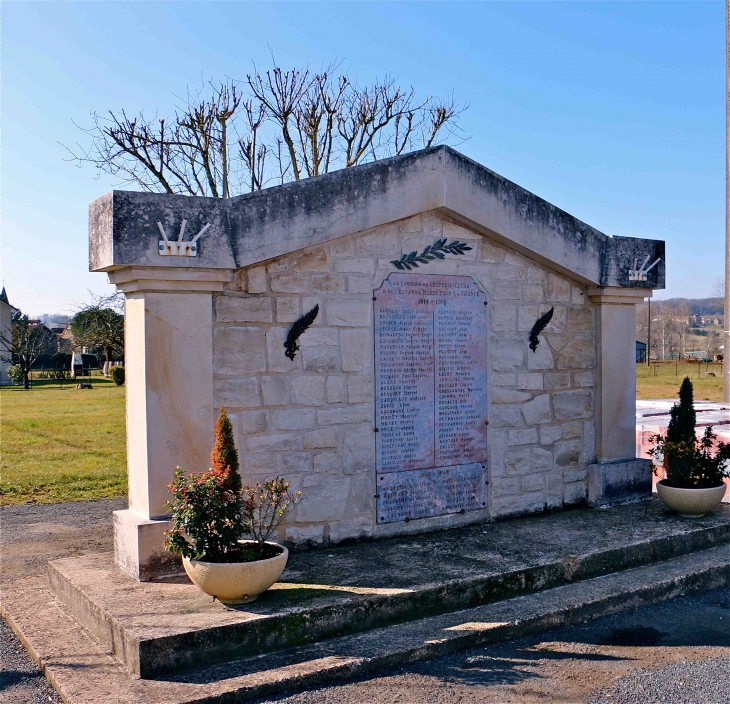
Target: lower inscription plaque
431, 405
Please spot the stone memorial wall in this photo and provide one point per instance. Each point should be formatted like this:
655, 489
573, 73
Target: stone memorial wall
401, 364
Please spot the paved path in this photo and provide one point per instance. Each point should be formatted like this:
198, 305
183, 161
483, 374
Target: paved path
29, 536
634, 658
676, 652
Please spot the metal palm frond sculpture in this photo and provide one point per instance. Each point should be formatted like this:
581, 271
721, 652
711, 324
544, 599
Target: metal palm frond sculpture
296, 330
540, 324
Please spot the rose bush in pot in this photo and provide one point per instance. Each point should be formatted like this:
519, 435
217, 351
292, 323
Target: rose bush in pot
694, 474
211, 511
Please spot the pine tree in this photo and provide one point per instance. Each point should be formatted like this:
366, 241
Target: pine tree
224, 457
683, 417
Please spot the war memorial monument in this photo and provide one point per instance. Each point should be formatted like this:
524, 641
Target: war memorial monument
423, 395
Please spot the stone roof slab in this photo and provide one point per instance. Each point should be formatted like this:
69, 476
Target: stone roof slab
260, 226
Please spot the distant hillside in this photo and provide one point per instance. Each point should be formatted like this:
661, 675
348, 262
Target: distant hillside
698, 306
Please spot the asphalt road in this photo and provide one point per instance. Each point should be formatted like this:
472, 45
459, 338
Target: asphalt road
677, 652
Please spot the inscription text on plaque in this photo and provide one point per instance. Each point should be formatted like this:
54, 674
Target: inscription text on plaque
430, 396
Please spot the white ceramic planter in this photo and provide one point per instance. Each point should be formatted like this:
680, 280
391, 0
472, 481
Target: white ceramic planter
236, 582
690, 503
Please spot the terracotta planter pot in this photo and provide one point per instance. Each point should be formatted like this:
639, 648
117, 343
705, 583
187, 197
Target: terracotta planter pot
690, 503
236, 582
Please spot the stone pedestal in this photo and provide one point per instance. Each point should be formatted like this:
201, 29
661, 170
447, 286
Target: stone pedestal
618, 475
138, 546
170, 413
619, 482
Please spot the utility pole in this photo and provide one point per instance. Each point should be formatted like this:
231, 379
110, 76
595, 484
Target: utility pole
726, 319
648, 330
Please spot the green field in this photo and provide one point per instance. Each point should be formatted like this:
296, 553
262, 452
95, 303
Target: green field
662, 380
60, 443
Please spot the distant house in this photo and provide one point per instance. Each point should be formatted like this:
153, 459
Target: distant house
640, 352
65, 339
6, 317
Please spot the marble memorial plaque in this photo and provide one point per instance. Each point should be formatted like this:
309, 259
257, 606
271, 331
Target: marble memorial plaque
430, 400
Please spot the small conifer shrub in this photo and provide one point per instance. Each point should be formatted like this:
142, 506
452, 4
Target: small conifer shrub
211, 511
224, 456
117, 375
682, 415
690, 463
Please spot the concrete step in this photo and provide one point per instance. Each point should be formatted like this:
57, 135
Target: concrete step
506, 620
159, 628
84, 673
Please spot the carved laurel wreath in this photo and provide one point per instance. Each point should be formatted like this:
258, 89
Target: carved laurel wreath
434, 251
297, 328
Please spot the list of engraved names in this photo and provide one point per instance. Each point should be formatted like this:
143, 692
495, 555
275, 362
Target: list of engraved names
430, 369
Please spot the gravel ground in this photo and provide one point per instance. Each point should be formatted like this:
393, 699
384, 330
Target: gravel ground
21, 681
20, 523
703, 682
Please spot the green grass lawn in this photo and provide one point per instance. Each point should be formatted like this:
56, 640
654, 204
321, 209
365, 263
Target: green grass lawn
60, 443
664, 378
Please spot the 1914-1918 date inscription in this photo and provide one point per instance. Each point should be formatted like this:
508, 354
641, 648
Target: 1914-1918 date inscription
430, 400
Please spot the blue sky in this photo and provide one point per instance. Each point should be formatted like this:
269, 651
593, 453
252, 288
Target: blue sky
612, 111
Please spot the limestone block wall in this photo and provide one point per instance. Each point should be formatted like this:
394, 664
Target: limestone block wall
311, 419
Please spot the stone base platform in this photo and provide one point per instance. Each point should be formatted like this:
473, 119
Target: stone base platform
355, 608
157, 628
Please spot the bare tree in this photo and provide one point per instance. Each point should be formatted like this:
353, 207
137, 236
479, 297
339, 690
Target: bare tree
100, 326
712, 340
659, 322
203, 140
718, 288
668, 330
681, 321
27, 341
280, 93
252, 150
231, 137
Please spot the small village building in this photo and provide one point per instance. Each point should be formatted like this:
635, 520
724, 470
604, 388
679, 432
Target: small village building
6, 317
65, 339
462, 349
